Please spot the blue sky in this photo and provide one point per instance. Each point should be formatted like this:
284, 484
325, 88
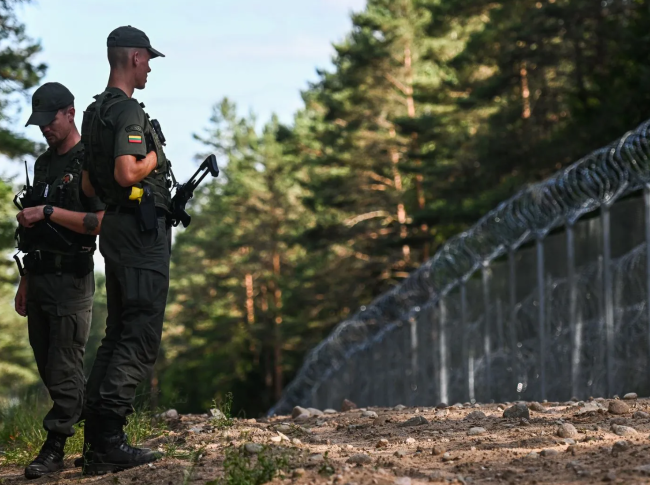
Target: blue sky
259, 53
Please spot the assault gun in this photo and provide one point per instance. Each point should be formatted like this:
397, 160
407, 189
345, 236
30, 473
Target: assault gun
184, 192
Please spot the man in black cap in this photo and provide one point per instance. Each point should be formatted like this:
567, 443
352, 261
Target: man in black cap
57, 232
127, 168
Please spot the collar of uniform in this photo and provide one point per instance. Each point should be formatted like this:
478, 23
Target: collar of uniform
116, 91
77, 148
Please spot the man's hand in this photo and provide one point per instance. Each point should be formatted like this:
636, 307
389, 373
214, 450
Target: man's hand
30, 216
21, 297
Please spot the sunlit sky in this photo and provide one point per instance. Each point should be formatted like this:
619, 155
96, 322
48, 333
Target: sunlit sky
259, 53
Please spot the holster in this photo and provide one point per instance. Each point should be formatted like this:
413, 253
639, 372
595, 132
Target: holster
147, 211
40, 262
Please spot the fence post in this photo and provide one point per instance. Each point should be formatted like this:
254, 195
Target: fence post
512, 293
573, 309
413, 385
465, 341
646, 198
486, 330
442, 342
608, 297
541, 296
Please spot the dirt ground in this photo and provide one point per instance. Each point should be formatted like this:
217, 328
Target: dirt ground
398, 447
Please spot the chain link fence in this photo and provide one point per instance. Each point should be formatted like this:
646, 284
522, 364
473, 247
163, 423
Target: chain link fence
546, 297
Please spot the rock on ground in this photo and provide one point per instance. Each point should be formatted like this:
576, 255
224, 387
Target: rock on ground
475, 415
359, 459
631, 395
618, 407
475, 431
415, 421
623, 430
297, 411
348, 405
567, 430
537, 407
519, 410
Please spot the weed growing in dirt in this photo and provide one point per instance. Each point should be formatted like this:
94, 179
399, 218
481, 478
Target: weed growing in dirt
241, 469
326, 469
194, 455
22, 433
222, 411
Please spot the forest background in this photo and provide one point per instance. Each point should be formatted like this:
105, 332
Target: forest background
434, 112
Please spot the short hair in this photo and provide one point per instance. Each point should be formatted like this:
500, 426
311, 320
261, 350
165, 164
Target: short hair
119, 56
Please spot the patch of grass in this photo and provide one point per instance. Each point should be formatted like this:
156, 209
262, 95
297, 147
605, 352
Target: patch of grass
241, 469
326, 468
224, 418
22, 433
195, 456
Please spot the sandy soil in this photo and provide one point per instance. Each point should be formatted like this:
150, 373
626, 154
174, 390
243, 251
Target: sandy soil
440, 449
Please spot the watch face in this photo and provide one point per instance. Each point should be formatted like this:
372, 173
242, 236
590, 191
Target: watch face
48, 209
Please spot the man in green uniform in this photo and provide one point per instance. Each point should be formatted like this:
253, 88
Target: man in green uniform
57, 231
127, 168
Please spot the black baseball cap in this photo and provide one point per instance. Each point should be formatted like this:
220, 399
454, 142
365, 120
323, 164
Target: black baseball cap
131, 37
46, 101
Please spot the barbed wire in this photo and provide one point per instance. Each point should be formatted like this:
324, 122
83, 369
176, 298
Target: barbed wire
597, 180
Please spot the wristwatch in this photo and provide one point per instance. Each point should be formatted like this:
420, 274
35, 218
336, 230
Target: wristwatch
47, 212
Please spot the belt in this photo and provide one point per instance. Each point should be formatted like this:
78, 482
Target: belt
41, 262
121, 209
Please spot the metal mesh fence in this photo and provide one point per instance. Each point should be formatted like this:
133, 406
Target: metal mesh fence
546, 297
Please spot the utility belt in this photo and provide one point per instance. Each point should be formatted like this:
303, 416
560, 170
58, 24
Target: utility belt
134, 210
42, 262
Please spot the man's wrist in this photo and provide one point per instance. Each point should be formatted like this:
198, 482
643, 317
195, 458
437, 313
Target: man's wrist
48, 210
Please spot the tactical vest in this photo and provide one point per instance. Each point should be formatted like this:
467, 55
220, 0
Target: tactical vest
98, 138
63, 192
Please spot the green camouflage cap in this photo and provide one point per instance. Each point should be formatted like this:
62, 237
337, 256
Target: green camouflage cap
47, 101
131, 37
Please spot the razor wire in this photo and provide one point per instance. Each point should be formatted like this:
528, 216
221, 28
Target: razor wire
375, 335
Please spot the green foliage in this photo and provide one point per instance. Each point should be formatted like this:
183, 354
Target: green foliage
22, 433
242, 469
18, 73
224, 419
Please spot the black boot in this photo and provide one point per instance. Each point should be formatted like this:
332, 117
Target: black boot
49, 459
113, 454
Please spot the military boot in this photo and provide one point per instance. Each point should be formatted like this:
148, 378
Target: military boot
49, 459
113, 454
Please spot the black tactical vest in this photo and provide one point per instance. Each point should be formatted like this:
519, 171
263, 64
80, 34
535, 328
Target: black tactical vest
63, 192
98, 136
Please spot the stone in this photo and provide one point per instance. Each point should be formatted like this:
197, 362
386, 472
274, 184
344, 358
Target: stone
475, 416
458, 406
315, 412
297, 411
359, 459
532, 454
475, 431
438, 450
316, 458
348, 405
567, 430
441, 413
169, 414
369, 414
643, 469
618, 407
590, 407
330, 411
296, 441
447, 457
415, 421
524, 422
400, 453
519, 410
442, 405
537, 407
402, 481
570, 441
399, 407
631, 395
217, 414
301, 418
253, 448
196, 429
410, 441
549, 452
641, 415
298, 472
283, 428
623, 430
620, 446
382, 443
276, 439
380, 421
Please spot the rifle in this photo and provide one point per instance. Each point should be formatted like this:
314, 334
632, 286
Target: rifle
23, 200
184, 192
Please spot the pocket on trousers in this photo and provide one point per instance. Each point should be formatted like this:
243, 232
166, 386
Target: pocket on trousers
75, 321
144, 286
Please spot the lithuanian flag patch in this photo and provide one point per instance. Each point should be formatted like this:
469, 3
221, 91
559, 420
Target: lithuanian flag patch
135, 138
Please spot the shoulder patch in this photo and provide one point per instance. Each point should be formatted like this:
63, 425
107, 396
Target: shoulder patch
133, 128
